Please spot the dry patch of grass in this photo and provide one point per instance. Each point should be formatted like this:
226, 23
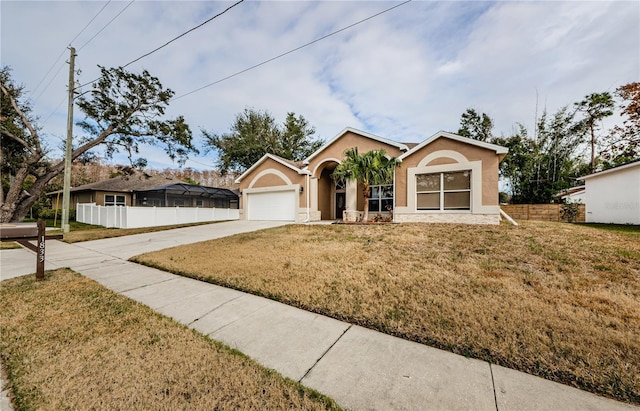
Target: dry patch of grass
9, 245
69, 343
556, 300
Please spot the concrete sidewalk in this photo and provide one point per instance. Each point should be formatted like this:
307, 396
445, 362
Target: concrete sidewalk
359, 368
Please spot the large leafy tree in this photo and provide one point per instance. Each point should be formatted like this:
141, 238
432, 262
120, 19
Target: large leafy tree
476, 126
370, 168
255, 133
595, 107
537, 168
623, 142
123, 112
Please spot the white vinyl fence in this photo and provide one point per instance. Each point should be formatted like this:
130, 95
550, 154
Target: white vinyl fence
135, 217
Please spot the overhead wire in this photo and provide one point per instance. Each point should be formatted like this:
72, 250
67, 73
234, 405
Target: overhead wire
184, 34
290, 51
199, 162
106, 25
54, 111
48, 84
62, 53
87, 42
170, 41
47, 73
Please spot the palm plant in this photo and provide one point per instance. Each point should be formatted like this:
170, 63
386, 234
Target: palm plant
370, 168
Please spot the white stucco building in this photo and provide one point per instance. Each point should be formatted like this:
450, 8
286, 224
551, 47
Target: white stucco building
573, 195
613, 196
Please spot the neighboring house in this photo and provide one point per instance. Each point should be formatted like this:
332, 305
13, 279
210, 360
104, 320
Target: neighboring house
144, 190
613, 195
572, 195
446, 178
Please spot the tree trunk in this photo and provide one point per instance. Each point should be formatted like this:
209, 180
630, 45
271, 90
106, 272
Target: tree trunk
366, 191
14, 196
18, 202
38, 187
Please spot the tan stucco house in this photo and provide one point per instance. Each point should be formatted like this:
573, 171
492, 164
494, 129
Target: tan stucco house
446, 178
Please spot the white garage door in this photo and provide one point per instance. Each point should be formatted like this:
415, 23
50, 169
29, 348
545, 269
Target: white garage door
275, 205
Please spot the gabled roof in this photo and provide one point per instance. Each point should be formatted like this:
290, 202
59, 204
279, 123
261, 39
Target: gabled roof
295, 166
570, 191
498, 149
126, 184
634, 163
401, 146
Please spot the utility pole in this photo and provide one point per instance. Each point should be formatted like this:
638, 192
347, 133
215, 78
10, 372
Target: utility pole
66, 193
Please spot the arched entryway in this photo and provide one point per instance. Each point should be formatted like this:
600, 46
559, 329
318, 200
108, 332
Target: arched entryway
331, 197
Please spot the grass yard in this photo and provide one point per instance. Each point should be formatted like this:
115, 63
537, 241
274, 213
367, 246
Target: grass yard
557, 300
9, 245
69, 343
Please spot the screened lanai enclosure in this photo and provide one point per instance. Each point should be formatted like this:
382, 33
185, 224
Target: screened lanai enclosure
187, 195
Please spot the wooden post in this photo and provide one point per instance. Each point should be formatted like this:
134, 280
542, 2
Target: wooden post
40, 252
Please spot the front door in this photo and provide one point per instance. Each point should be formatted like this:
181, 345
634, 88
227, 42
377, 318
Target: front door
341, 199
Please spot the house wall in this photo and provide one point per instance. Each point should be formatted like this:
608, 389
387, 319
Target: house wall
326, 201
349, 140
488, 158
324, 196
98, 197
578, 197
83, 198
273, 174
444, 155
614, 197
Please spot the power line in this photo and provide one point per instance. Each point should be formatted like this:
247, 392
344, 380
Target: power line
87, 42
48, 84
145, 55
184, 34
106, 25
291, 51
91, 21
62, 53
47, 73
198, 162
54, 111
172, 40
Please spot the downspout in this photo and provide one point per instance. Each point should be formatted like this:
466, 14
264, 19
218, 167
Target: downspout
508, 217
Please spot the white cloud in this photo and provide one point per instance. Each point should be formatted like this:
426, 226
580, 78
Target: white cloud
403, 75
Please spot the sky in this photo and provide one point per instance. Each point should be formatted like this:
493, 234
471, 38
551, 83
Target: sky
403, 75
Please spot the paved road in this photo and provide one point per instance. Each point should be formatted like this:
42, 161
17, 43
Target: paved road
361, 369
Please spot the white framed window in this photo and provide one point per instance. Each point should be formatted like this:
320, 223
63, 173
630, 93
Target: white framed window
199, 203
381, 198
114, 200
444, 191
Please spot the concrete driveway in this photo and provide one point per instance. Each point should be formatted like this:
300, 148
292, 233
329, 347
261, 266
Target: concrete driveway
131, 245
